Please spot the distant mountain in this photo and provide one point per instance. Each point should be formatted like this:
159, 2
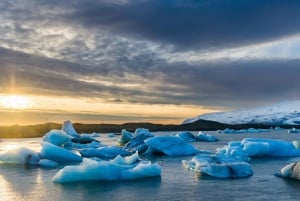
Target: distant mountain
286, 113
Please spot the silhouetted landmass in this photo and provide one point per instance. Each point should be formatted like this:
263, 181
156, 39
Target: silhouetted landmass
28, 131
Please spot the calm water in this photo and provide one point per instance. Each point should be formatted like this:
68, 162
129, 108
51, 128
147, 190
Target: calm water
176, 183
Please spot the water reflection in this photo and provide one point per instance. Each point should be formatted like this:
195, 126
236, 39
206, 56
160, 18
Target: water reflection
111, 190
12, 182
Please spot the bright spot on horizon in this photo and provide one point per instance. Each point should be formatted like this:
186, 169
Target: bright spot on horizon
15, 102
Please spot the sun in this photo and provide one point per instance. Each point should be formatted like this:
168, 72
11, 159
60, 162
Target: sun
15, 102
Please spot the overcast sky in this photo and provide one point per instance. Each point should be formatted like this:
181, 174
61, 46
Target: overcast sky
213, 55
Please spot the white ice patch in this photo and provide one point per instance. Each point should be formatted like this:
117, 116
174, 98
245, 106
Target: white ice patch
21, 155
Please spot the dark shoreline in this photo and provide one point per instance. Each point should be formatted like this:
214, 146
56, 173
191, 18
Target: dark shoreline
28, 131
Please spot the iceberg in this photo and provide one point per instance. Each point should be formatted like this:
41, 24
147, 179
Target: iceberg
90, 170
186, 135
220, 166
137, 142
57, 137
206, 137
257, 147
170, 146
58, 154
290, 171
20, 155
126, 137
68, 128
106, 152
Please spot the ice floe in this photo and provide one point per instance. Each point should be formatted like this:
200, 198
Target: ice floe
20, 155
169, 145
257, 147
290, 171
220, 166
91, 170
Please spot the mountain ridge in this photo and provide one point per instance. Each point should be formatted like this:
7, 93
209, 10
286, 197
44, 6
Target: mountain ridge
284, 113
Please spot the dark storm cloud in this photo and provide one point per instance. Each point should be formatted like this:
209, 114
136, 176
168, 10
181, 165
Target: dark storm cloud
191, 23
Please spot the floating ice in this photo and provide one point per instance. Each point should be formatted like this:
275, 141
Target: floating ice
58, 154
293, 130
249, 130
256, 147
187, 136
220, 166
126, 137
57, 137
106, 152
20, 155
206, 137
137, 142
128, 160
290, 171
169, 145
83, 139
68, 128
91, 170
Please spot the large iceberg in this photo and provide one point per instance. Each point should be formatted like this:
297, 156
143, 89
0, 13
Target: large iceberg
169, 145
91, 170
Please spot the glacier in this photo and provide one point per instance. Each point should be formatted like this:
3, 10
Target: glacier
285, 113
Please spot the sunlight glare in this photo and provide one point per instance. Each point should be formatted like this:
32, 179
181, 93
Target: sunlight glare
15, 102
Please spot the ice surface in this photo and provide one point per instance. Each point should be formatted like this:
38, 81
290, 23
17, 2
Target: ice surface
20, 155
91, 170
169, 145
58, 154
106, 152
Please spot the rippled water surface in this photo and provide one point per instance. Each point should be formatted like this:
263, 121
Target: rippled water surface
176, 183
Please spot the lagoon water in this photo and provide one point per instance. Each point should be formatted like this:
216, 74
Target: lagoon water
176, 183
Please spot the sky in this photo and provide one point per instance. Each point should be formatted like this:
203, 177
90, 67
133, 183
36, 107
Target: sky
103, 61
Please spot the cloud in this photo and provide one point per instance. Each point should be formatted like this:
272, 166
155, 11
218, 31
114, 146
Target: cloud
192, 24
221, 84
210, 53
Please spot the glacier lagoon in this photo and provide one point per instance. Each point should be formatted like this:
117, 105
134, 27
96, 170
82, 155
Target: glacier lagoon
20, 182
